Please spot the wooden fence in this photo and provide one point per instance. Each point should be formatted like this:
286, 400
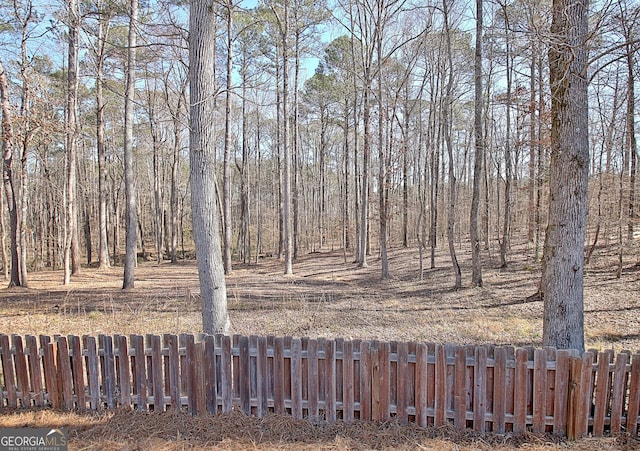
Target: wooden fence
484, 388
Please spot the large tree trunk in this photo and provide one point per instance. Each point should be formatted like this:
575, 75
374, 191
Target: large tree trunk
206, 227
563, 261
129, 176
7, 176
71, 254
476, 264
103, 246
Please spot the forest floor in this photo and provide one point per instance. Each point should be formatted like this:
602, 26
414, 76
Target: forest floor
328, 296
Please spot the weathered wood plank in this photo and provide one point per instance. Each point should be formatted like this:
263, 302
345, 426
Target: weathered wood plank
440, 401
8, 371
35, 371
634, 396
561, 400
539, 390
51, 374
348, 393
499, 389
108, 370
460, 398
385, 380
479, 390
262, 379
520, 388
296, 378
244, 372
65, 376
209, 364
330, 396
365, 381
93, 372
226, 375
401, 381
602, 391
278, 376
173, 370
139, 363
421, 385
77, 368
619, 392
157, 374
22, 375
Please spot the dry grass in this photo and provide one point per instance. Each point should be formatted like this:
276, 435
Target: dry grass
326, 297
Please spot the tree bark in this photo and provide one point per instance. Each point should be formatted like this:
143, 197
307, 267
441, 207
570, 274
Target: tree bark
563, 260
206, 227
129, 175
7, 176
71, 254
103, 246
476, 264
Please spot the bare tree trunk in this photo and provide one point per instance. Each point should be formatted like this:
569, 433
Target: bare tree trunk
206, 226
447, 138
7, 175
508, 165
476, 264
226, 168
283, 23
563, 261
71, 265
129, 175
103, 246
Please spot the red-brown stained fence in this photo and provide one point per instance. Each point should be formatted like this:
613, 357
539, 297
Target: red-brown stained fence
483, 388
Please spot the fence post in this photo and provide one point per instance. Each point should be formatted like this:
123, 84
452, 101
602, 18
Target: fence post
575, 388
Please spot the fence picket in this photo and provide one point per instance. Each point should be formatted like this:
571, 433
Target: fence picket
35, 371
209, 367
22, 375
77, 369
347, 381
384, 355
539, 390
51, 374
520, 392
460, 397
262, 389
561, 396
296, 379
139, 362
173, 370
479, 391
619, 391
245, 375
330, 396
421, 385
401, 383
65, 379
499, 389
91, 362
278, 375
108, 370
602, 391
226, 380
440, 381
634, 396
365, 381
157, 373
8, 371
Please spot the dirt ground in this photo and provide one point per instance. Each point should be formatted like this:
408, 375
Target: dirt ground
328, 296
